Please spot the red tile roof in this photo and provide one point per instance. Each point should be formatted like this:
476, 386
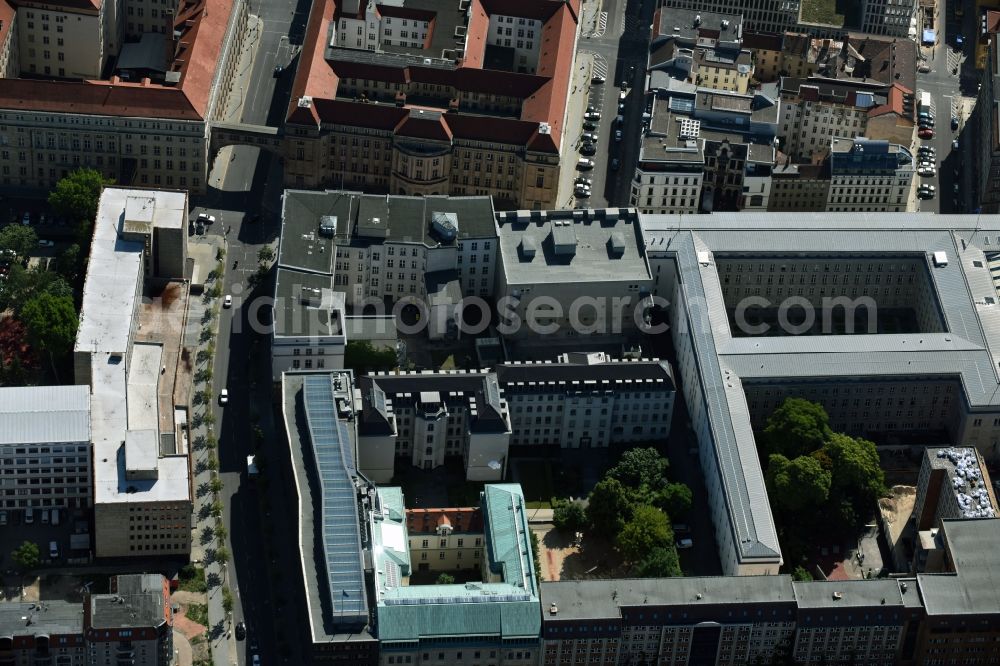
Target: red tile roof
313, 76
894, 102
406, 12
86, 5
6, 20
544, 93
476, 34
424, 126
462, 520
197, 53
555, 61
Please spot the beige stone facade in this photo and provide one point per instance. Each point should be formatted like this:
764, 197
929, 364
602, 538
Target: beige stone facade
142, 529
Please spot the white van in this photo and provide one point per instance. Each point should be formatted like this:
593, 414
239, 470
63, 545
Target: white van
54, 517
29, 516
53, 550
584, 164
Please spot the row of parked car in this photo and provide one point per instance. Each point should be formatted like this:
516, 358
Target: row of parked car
45, 516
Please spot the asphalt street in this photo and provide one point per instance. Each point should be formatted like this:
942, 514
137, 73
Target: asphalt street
951, 75
245, 201
620, 47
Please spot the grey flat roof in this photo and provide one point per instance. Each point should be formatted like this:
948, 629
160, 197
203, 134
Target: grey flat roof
139, 601
593, 260
366, 218
294, 317
49, 618
587, 375
322, 623
603, 599
964, 289
975, 589
42, 414
847, 594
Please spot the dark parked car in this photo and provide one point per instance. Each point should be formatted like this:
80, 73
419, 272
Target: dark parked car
241, 631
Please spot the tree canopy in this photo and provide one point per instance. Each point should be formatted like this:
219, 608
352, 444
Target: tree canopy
26, 556
856, 471
796, 427
676, 499
569, 516
648, 529
52, 322
17, 238
660, 563
609, 507
799, 484
77, 195
362, 357
640, 466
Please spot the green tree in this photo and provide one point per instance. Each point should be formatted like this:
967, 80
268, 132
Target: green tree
69, 264
856, 469
52, 322
216, 509
265, 254
26, 556
18, 240
649, 528
640, 467
801, 574
362, 357
220, 532
536, 555
227, 600
216, 485
676, 499
445, 579
608, 507
660, 563
77, 195
795, 428
798, 485
569, 516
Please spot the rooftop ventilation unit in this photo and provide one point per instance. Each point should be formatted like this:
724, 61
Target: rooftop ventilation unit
311, 297
445, 226
544, 128
528, 247
328, 225
940, 259
616, 244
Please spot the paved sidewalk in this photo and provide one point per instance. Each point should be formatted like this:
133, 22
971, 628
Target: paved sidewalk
237, 96
575, 108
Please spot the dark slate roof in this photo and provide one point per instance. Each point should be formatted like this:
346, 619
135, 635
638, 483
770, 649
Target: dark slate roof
606, 372
483, 386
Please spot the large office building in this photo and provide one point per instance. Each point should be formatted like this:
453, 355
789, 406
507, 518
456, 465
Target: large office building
705, 150
817, 110
141, 476
347, 256
870, 175
892, 18
355, 538
45, 447
984, 125
953, 484
547, 262
424, 418
128, 88
580, 401
426, 98
132, 624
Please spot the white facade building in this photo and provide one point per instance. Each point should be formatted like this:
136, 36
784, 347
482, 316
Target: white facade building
588, 401
142, 484
423, 418
45, 447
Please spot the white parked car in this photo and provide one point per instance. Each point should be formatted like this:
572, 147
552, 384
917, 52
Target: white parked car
224, 397
227, 301
205, 218
46, 243
683, 544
